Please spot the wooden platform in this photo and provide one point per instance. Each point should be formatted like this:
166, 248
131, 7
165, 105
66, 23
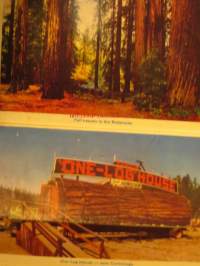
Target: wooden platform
45, 240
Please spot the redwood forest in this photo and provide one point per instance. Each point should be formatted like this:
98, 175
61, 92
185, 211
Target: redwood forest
120, 58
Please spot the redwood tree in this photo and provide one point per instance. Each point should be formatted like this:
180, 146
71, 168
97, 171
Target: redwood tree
184, 54
55, 63
155, 27
116, 82
71, 14
129, 44
98, 42
149, 32
1, 32
112, 47
140, 32
10, 42
19, 80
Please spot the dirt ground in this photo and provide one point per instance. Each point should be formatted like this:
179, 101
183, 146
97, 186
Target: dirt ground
30, 101
186, 248
8, 245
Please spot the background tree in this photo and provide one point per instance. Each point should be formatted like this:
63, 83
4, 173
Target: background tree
149, 31
190, 188
7, 44
72, 35
184, 54
108, 42
1, 33
149, 67
35, 40
83, 73
129, 47
116, 82
98, 42
19, 79
140, 35
55, 63
112, 47
156, 27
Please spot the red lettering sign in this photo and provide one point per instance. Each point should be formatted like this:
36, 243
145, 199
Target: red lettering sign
117, 171
90, 169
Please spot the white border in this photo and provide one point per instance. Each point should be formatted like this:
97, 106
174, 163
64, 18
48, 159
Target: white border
100, 124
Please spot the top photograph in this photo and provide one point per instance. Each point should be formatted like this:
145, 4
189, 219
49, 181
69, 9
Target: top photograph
109, 58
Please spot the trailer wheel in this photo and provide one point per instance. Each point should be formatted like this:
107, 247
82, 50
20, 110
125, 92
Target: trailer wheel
176, 233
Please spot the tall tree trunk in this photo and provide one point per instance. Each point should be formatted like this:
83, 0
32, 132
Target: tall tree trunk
1, 32
112, 48
156, 27
140, 31
10, 42
129, 49
19, 79
55, 63
140, 39
149, 32
184, 54
96, 78
23, 44
70, 40
118, 49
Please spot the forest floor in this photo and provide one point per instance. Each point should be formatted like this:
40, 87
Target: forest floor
83, 104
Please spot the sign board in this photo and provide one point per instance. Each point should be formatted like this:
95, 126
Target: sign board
125, 164
89, 168
125, 183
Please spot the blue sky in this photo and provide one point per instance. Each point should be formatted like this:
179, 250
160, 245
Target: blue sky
26, 157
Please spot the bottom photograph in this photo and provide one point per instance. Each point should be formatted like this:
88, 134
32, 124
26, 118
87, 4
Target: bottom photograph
84, 194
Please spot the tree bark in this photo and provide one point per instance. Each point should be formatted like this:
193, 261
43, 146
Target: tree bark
96, 78
10, 44
19, 79
112, 48
55, 63
140, 30
129, 45
155, 27
70, 14
116, 82
184, 54
140, 39
1, 32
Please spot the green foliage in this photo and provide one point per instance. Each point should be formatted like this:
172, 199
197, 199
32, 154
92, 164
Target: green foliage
85, 56
190, 188
179, 112
151, 84
157, 112
82, 73
197, 111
